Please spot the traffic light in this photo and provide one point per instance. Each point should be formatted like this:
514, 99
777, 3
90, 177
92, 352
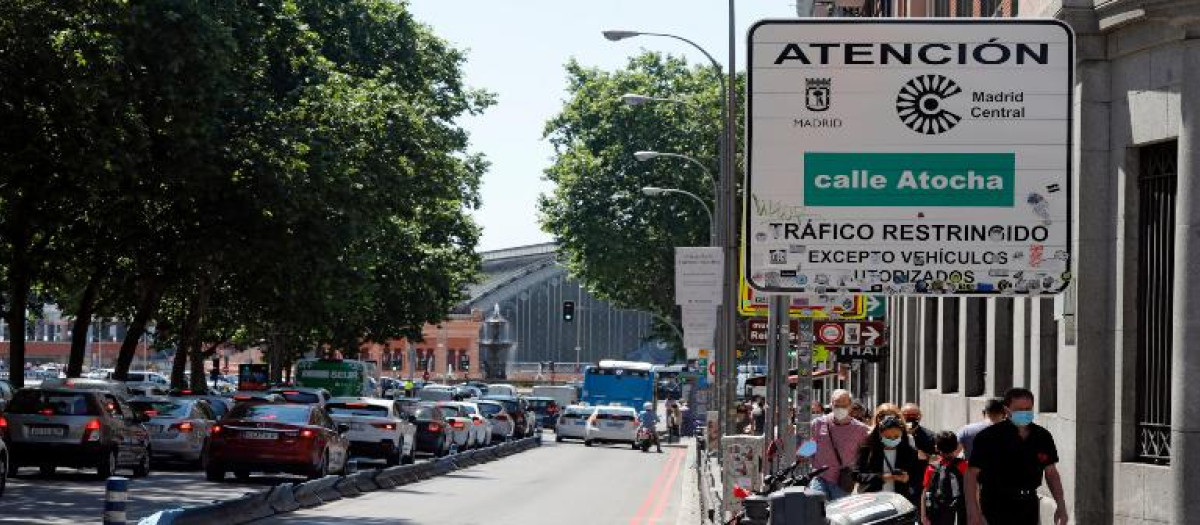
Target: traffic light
568, 311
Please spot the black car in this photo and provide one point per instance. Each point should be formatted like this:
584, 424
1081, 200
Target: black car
523, 420
433, 431
53, 427
546, 408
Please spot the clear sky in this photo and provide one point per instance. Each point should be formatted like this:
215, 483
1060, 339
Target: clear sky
517, 48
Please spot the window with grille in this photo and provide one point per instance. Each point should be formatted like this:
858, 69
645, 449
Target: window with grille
1156, 271
941, 7
950, 344
964, 8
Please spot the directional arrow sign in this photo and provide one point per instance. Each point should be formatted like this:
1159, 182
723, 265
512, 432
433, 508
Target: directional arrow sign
870, 335
876, 306
850, 333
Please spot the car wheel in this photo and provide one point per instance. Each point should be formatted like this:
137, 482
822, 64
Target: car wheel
204, 459
241, 475
3, 472
322, 468
587, 442
107, 466
214, 472
142, 469
47, 470
398, 457
558, 439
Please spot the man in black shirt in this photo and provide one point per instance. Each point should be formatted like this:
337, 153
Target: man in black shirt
1007, 464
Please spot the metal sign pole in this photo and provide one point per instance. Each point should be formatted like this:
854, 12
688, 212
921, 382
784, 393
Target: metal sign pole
777, 373
803, 395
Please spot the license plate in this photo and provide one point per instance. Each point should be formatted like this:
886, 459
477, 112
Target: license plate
358, 426
580, 423
46, 431
252, 434
614, 425
156, 429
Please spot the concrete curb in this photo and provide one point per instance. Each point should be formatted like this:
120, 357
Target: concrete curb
288, 497
347, 487
282, 498
306, 494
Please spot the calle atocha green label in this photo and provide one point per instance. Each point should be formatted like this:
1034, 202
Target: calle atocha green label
909, 179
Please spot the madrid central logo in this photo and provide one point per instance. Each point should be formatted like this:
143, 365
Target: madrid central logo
921, 104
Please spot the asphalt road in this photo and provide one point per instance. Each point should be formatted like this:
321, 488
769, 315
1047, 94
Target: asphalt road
555, 483
76, 496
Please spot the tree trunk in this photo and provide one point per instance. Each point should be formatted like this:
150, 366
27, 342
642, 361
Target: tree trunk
147, 308
188, 348
18, 288
83, 319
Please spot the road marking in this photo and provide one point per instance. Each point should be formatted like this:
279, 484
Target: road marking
663, 496
659, 489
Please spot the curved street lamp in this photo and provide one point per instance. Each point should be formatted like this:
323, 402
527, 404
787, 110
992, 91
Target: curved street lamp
643, 156
654, 191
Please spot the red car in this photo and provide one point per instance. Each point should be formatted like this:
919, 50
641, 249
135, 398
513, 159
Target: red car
298, 439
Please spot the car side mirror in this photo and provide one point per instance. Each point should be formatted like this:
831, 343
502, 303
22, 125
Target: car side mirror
343, 428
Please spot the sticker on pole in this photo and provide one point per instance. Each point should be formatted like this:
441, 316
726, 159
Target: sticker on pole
917, 157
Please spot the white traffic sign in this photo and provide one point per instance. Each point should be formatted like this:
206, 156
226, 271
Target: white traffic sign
699, 328
909, 156
698, 273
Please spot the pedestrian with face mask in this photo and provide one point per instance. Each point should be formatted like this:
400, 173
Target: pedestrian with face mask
919, 437
838, 437
887, 463
1007, 464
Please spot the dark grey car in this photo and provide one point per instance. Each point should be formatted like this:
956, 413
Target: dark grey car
53, 427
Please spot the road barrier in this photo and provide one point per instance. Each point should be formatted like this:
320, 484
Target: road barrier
116, 495
288, 497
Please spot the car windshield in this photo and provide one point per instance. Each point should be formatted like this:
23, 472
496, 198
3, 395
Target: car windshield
294, 414
490, 409
53, 403
540, 404
426, 413
357, 409
161, 408
451, 410
295, 396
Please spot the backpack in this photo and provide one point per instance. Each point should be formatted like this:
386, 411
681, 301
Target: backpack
944, 495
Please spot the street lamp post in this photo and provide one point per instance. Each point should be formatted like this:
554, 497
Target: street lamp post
727, 210
653, 191
643, 156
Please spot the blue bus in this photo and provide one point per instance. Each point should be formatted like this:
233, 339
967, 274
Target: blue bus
628, 383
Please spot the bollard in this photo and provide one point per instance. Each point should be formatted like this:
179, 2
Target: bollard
116, 495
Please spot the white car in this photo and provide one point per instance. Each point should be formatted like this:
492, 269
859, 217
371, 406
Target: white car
501, 423
572, 424
481, 427
502, 390
461, 425
378, 428
612, 424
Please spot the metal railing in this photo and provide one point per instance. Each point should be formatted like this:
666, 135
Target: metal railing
1156, 272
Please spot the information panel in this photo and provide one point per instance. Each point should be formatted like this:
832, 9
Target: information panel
909, 156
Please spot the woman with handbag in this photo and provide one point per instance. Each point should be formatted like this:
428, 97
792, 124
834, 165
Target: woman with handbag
838, 438
887, 463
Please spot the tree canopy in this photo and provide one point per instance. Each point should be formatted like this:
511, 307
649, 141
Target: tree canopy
282, 172
615, 239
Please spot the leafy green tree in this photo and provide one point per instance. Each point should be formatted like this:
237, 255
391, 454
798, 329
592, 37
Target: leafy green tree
615, 239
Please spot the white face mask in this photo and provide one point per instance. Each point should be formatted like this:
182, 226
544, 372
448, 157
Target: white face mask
841, 414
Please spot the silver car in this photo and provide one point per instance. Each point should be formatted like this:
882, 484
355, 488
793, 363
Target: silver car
180, 428
501, 422
52, 427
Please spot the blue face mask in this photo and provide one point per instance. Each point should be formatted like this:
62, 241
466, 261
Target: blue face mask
1021, 418
891, 442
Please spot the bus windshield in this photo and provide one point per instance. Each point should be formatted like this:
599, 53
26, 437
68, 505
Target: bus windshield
628, 384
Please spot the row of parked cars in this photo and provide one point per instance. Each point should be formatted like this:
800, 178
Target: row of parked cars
101, 424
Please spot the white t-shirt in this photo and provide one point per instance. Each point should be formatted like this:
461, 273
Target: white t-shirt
890, 459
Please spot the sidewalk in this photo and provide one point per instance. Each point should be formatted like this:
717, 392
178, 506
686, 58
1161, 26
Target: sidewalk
701, 488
